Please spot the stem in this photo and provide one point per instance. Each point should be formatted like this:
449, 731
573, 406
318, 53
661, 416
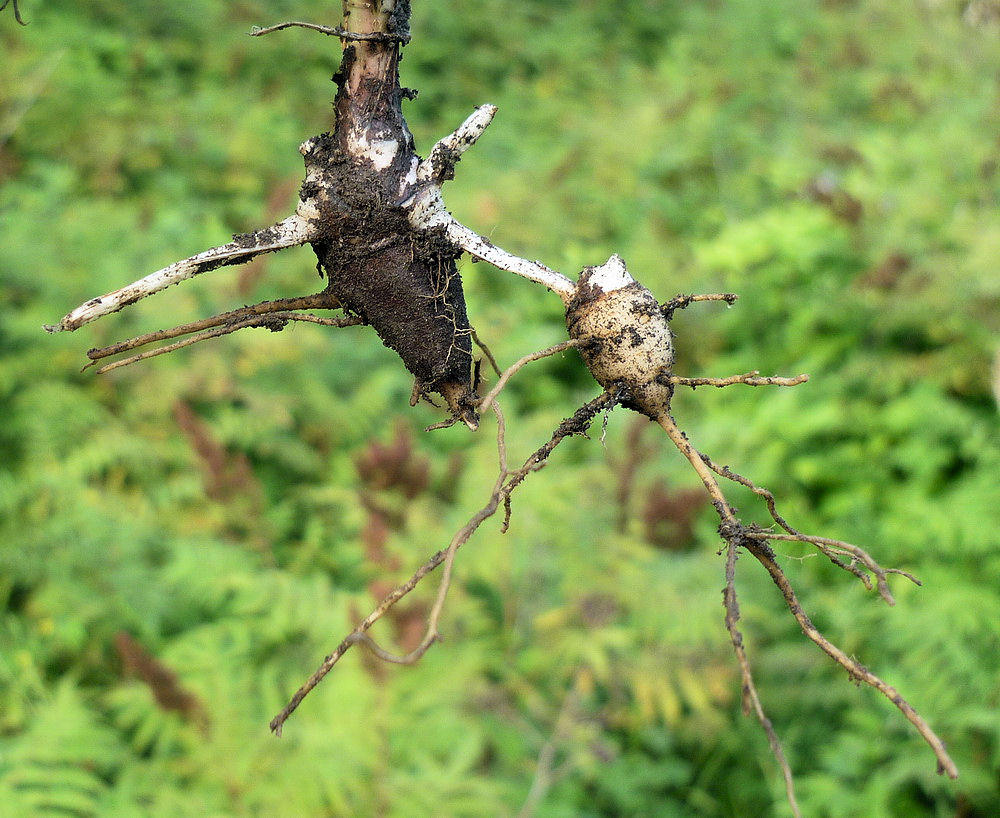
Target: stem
370, 122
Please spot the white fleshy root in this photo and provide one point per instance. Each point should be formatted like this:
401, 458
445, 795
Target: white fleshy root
483, 248
446, 150
292, 231
427, 210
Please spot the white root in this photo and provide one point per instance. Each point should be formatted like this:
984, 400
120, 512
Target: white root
483, 248
427, 210
293, 231
436, 167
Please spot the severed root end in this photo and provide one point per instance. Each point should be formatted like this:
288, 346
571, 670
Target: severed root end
624, 335
461, 402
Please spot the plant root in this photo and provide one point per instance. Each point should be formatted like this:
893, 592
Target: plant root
374, 213
755, 541
17, 11
273, 315
832, 549
291, 232
748, 378
751, 699
507, 481
680, 302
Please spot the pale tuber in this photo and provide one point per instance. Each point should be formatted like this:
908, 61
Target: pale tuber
624, 334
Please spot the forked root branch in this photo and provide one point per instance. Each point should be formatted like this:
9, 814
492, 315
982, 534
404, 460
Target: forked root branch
273, 315
507, 481
754, 540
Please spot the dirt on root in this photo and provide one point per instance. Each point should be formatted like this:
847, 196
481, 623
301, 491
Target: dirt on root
628, 342
403, 282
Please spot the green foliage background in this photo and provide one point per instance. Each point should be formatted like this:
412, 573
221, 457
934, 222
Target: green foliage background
836, 163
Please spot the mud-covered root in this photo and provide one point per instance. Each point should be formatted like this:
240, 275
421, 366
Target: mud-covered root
624, 335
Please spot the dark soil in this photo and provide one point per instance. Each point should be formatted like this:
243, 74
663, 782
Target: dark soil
401, 281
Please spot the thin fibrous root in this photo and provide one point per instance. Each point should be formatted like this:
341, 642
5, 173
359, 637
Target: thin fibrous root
273, 321
17, 11
291, 232
832, 549
754, 541
748, 378
491, 396
486, 351
489, 400
751, 699
333, 31
835, 549
680, 302
431, 633
506, 483
731, 523
321, 300
855, 671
